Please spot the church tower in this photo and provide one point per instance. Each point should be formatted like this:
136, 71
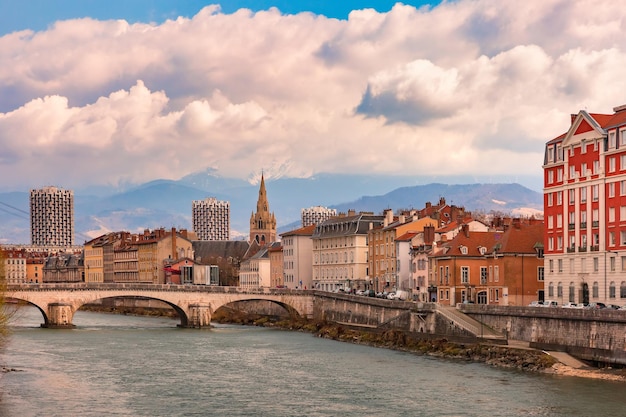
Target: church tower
262, 223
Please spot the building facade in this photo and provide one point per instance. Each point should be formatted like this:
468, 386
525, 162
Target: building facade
297, 257
502, 267
316, 215
585, 210
340, 252
52, 217
210, 219
262, 222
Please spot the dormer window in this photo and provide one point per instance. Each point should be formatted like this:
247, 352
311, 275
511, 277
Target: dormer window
463, 250
482, 250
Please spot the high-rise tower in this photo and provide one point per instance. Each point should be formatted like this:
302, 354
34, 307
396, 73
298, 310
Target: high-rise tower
52, 217
210, 219
262, 223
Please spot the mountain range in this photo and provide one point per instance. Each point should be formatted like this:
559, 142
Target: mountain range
167, 203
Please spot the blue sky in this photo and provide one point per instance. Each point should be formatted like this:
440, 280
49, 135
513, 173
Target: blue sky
39, 14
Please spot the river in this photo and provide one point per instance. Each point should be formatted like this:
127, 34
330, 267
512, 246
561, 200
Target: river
115, 365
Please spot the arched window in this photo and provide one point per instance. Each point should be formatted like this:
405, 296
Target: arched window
622, 290
559, 290
595, 290
551, 290
572, 292
612, 290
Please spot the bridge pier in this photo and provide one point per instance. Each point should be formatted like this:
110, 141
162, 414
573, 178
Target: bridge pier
199, 316
60, 316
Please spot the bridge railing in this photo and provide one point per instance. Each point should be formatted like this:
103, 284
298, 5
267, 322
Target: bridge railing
136, 286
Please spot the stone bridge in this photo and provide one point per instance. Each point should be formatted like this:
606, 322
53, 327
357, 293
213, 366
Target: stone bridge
195, 304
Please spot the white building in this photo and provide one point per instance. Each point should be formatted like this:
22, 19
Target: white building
52, 217
255, 272
316, 215
298, 257
210, 219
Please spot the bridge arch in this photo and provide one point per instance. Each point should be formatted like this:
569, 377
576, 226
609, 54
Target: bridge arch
194, 304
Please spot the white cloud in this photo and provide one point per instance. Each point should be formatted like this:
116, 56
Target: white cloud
467, 87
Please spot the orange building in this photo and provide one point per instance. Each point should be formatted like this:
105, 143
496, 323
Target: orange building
496, 267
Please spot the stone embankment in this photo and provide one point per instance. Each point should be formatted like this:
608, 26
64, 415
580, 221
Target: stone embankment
511, 357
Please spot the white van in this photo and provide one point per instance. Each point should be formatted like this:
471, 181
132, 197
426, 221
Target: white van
550, 303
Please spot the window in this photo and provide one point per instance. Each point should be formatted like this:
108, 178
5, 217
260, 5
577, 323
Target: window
612, 263
550, 177
551, 265
595, 290
559, 198
595, 192
572, 217
483, 275
622, 137
583, 170
623, 263
583, 149
559, 220
622, 290
550, 222
559, 290
464, 250
611, 238
595, 264
559, 174
572, 196
611, 189
551, 290
465, 275
622, 187
612, 164
596, 167
549, 199
496, 273
559, 242
572, 172
612, 142
560, 265
550, 154
551, 243
611, 214
540, 273
622, 162
612, 289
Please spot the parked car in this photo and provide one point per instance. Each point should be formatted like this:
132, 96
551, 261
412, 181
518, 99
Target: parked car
596, 306
369, 293
535, 304
550, 303
572, 305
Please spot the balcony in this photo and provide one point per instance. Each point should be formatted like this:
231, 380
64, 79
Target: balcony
582, 249
571, 250
571, 226
595, 248
595, 224
583, 225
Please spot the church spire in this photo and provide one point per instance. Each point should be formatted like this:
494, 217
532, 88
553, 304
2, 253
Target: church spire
262, 223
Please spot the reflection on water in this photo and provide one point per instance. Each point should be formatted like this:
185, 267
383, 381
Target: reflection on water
139, 366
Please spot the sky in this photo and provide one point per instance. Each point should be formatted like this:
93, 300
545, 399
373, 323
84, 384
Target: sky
119, 92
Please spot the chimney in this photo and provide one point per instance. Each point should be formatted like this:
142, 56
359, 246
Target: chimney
517, 223
388, 217
351, 212
465, 229
429, 235
402, 219
174, 255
